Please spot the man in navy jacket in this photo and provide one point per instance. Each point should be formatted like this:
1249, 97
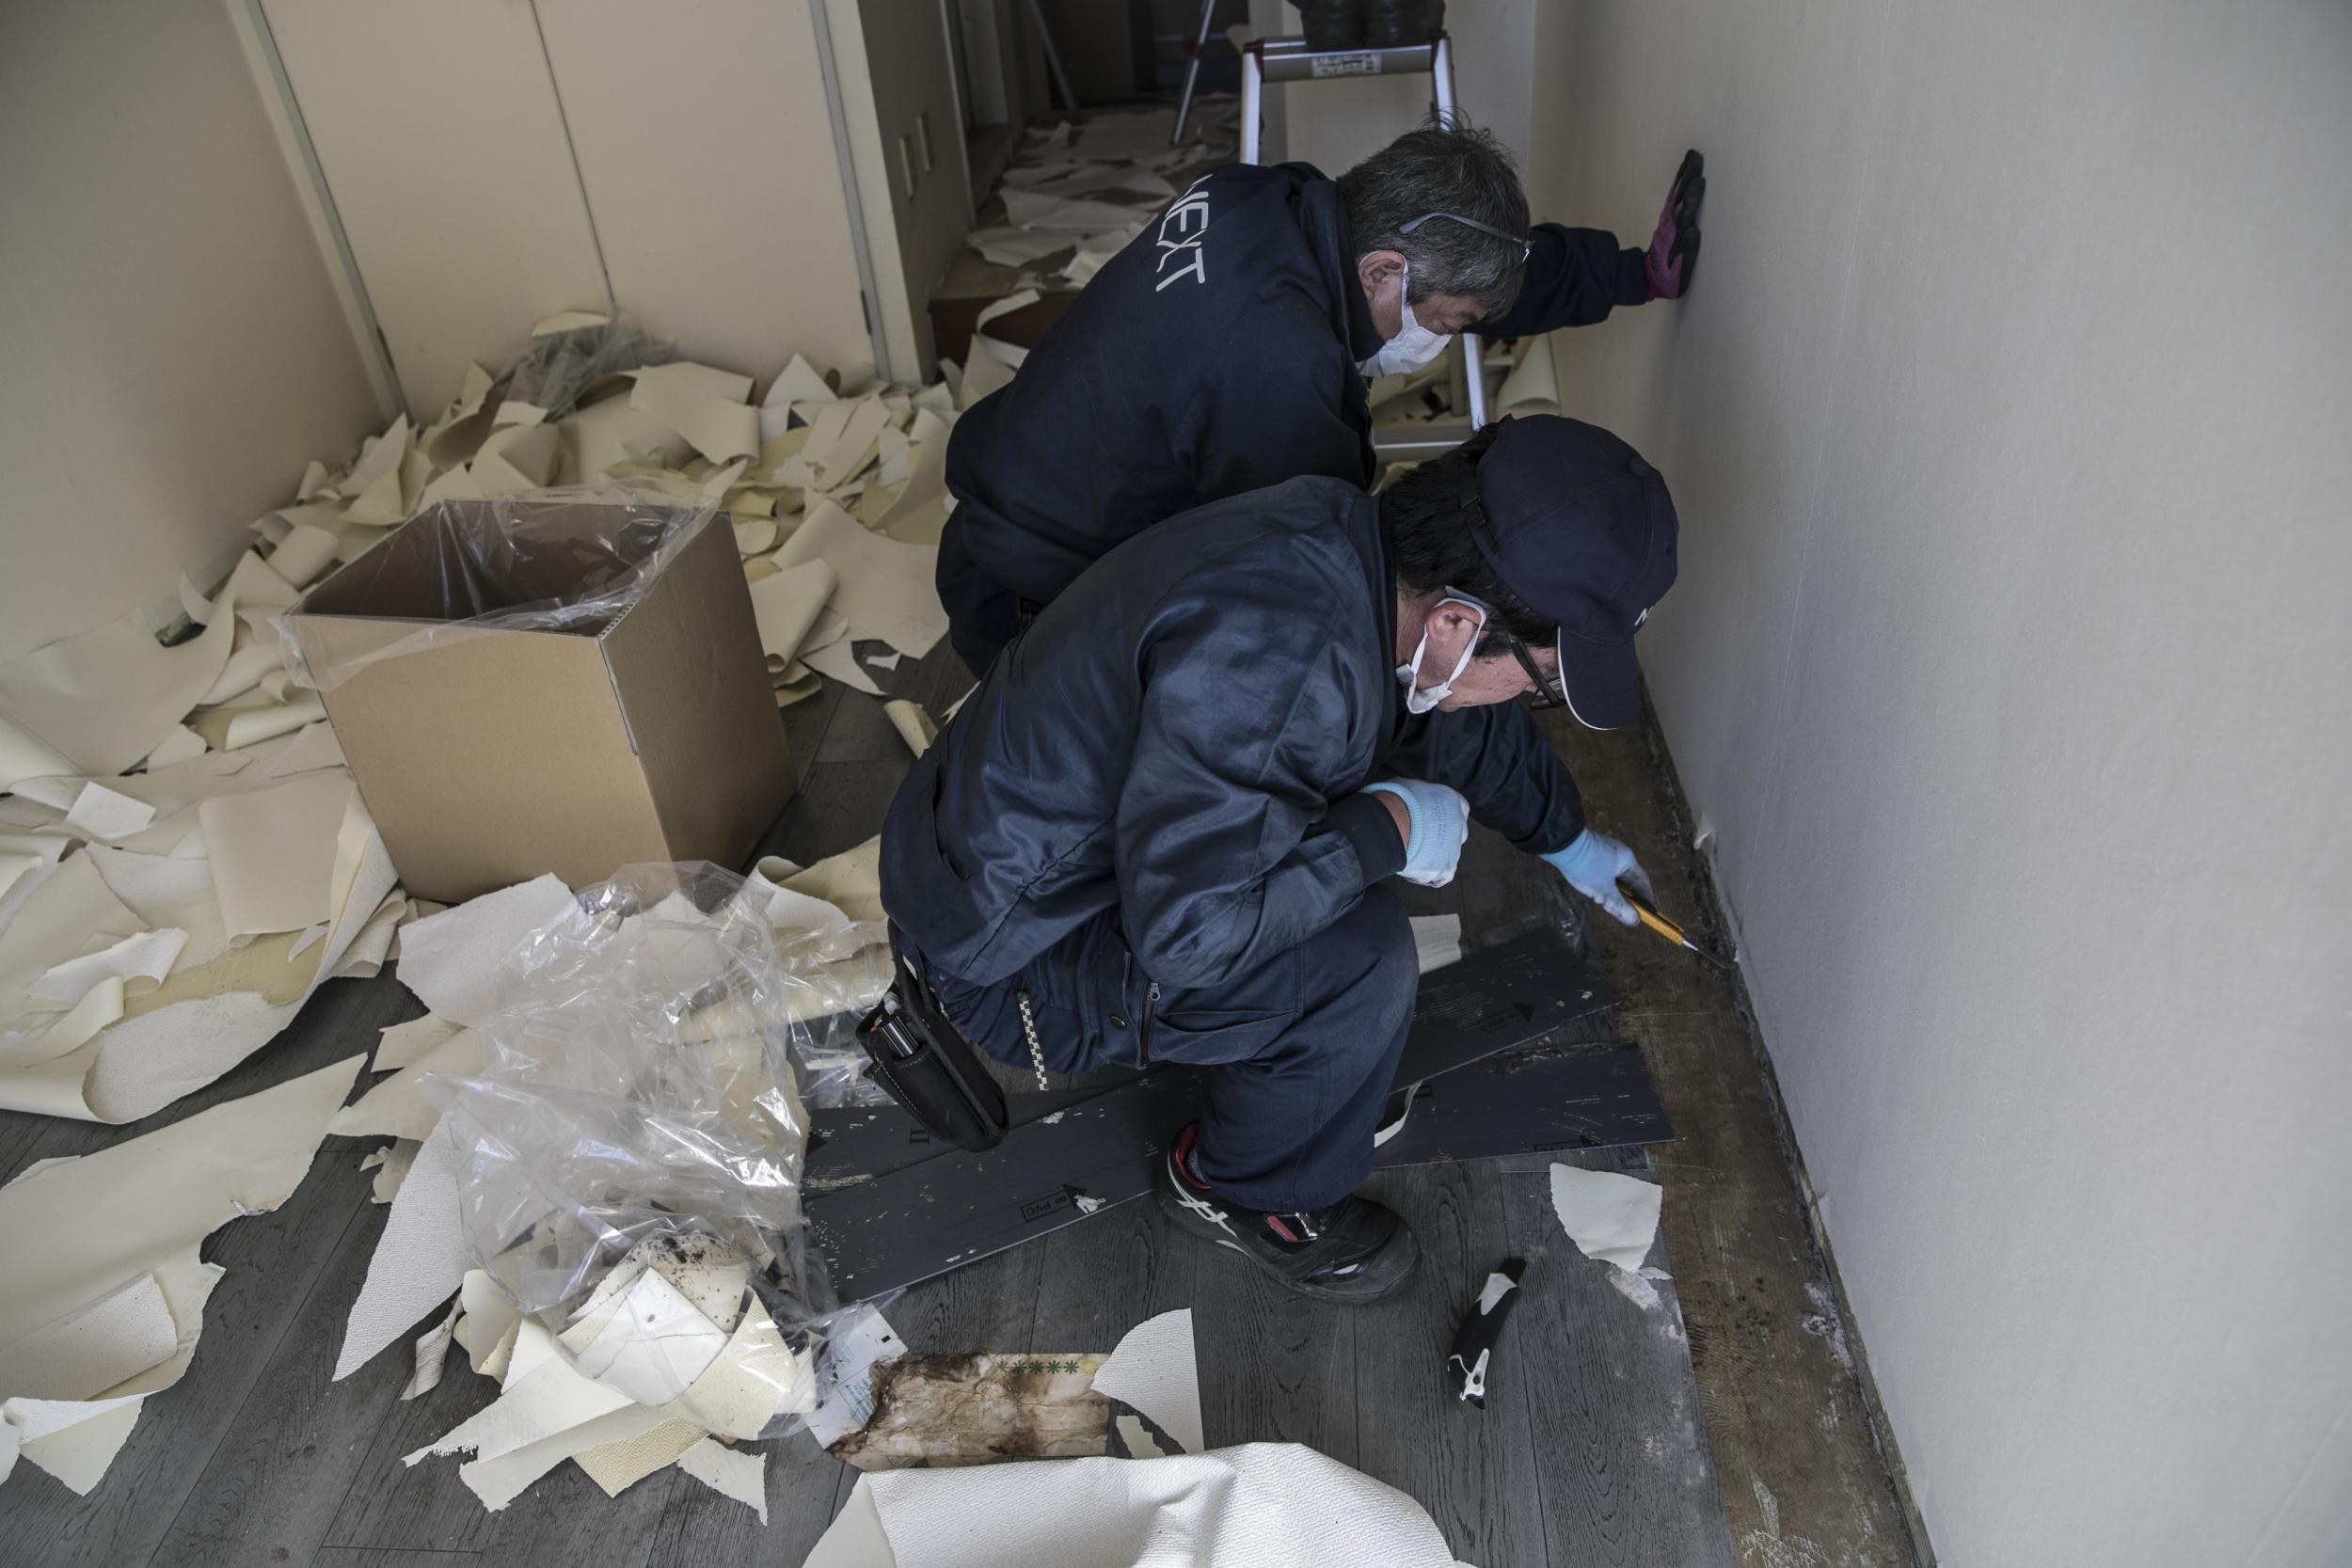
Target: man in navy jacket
1226, 348
1154, 832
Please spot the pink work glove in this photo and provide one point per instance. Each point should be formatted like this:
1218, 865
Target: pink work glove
1673, 255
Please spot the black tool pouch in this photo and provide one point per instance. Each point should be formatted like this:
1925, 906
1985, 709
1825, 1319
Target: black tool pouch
930, 1068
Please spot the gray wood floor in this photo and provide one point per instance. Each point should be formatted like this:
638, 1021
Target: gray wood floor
1593, 1448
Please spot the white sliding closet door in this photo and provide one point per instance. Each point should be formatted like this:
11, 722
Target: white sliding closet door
707, 152
438, 128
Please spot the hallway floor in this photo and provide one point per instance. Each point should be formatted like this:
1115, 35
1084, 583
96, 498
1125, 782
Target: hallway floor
1729, 1432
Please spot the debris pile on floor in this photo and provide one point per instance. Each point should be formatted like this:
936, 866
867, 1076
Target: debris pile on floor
834, 484
1241, 1507
892, 1410
1080, 193
1134, 1481
116, 748
158, 928
184, 857
601, 1126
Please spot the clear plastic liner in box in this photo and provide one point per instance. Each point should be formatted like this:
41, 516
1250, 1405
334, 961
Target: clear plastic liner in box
569, 559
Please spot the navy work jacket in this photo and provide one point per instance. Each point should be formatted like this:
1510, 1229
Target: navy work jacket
1215, 356
1183, 737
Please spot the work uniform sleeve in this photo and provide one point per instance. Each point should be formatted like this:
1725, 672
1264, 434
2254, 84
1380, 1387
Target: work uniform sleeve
1230, 849
1500, 759
1574, 278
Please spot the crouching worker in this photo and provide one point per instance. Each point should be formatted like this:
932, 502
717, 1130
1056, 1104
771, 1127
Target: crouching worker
1155, 830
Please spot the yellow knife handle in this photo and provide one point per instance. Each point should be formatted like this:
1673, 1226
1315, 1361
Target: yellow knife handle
1652, 919
1659, 924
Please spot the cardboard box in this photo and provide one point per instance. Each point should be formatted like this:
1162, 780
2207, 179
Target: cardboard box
525, 686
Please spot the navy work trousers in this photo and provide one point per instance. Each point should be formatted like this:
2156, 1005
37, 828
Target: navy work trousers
1299, 1051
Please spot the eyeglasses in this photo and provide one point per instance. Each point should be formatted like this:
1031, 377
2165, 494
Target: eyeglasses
1526, 249
1547, 690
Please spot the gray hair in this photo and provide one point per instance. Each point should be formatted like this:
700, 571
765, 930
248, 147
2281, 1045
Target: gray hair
1455, 169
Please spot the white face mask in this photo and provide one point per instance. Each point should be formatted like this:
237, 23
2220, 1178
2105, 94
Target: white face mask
1414, 344
1418, 697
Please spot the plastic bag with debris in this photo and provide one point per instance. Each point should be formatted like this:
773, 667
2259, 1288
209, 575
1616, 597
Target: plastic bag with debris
838, 974
840, 967
557, 367
637, 1102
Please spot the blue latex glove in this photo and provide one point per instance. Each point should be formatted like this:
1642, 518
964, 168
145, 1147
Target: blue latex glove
1440, 822
1593, 863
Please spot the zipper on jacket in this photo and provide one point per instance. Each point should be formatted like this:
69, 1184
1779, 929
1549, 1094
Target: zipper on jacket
1150, 1006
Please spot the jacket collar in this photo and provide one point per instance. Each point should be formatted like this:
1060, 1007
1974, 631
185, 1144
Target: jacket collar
1323, 219
1371, 549
1363, 334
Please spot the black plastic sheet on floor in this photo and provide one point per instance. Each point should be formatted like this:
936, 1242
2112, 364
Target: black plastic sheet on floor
1510, 1053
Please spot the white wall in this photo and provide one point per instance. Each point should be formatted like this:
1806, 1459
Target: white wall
2010, 424
173, 348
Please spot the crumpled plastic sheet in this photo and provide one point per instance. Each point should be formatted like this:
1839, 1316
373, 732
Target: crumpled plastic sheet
558, 366
841, 972
637, 1083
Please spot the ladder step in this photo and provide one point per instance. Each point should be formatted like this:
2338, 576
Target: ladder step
1291, 60
1420, 440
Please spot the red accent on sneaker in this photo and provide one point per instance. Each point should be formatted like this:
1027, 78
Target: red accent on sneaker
1273, 1223
1185, 1166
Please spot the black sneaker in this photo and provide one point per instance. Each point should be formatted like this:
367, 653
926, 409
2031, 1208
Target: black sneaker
1353, 1252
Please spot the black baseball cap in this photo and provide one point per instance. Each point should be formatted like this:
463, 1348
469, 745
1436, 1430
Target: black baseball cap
1581, 530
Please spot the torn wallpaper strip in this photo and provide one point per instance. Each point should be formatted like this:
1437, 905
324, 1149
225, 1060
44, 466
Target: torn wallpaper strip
1154, 1370
397, 1107
401, 1045
887, 589
450, 959
1234, 1508
203, 1019
100, 702
1609, 1216
420, 1260
740, 1476
142, 1208
851, 882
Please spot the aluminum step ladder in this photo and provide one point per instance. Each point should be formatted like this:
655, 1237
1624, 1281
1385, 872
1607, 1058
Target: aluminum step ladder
1289, 59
